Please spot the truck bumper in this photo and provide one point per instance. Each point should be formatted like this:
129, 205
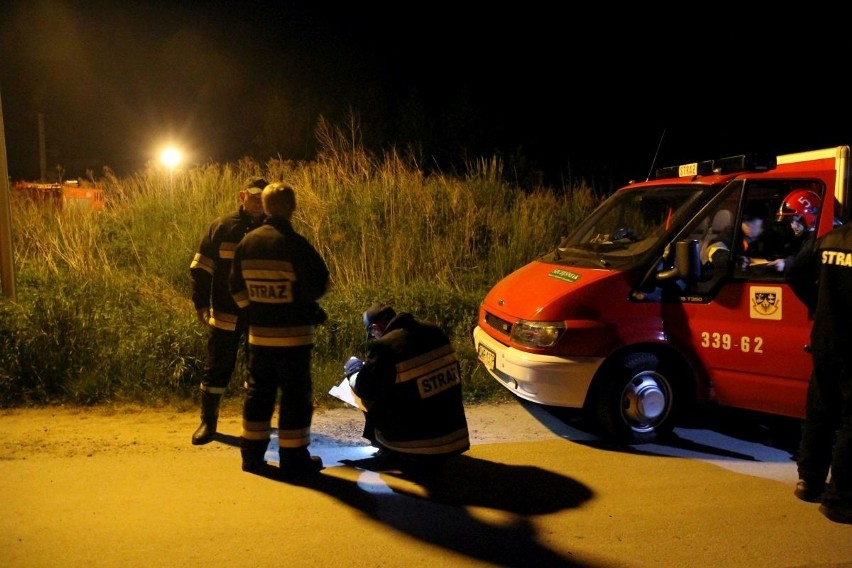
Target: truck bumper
543, 379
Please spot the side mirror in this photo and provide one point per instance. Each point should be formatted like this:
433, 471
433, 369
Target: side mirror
687, 263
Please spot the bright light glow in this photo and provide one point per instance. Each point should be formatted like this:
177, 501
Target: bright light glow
170, 157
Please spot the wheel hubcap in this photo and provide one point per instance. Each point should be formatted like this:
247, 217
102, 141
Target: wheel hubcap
644, 400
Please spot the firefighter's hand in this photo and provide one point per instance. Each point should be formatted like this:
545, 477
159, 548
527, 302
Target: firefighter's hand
203, 315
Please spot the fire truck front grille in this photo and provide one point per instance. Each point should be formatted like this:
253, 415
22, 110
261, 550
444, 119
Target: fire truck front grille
498, 324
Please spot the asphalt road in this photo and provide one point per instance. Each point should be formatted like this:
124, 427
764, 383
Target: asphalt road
80, 489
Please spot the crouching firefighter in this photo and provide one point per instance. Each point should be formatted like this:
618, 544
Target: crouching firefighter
410, 384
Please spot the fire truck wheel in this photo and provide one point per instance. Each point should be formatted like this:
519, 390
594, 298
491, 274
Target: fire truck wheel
634, 404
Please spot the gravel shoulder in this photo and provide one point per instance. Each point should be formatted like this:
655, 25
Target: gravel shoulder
73, 431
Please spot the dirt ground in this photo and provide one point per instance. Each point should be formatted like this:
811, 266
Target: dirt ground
115, 430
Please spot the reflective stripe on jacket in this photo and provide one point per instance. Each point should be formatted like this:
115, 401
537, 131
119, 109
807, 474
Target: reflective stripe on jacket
211, 267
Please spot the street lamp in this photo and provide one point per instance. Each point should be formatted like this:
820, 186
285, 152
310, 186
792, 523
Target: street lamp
170, 157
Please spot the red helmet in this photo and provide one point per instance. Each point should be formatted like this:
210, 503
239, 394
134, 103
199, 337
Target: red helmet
801, 203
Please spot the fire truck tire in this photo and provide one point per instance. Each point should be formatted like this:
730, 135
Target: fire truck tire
634, 403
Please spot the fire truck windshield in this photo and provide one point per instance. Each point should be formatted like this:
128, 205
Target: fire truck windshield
630, 224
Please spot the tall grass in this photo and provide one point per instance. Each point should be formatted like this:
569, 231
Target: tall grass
103, 311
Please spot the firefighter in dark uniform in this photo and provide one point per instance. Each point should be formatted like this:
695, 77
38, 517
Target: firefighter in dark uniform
410, 384
821, 276
214, 306
279, 277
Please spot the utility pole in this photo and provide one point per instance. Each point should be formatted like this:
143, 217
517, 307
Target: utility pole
42, 149
7, 261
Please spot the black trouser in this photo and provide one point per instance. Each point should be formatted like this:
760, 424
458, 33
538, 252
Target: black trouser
222, 349
287, 369
827, 429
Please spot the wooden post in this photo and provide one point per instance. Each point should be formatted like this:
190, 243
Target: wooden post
7, 260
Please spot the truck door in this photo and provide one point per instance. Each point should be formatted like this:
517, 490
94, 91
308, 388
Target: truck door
740, 318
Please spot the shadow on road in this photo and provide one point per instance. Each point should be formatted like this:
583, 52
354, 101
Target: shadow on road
436, 508
713, 431
227, 439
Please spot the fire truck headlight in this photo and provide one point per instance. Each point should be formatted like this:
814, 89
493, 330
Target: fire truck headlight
537, 333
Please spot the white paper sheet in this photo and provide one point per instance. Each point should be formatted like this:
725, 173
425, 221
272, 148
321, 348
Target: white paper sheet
344, 392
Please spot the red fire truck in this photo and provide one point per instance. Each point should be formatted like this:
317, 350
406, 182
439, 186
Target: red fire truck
632, 319
63, 195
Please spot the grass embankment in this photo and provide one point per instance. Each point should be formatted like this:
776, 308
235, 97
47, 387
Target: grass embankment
103, 313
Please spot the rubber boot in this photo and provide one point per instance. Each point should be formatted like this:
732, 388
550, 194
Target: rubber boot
253, 452
209, 419
298, 462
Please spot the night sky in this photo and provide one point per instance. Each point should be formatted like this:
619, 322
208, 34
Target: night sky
566, 92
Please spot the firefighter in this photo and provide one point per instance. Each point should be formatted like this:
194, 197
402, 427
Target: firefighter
778, 241
798, 212
279, 277
821, 276
214, 306
801, 209
410, 384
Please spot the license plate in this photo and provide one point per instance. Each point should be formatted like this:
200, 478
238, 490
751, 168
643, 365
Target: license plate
487, 357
